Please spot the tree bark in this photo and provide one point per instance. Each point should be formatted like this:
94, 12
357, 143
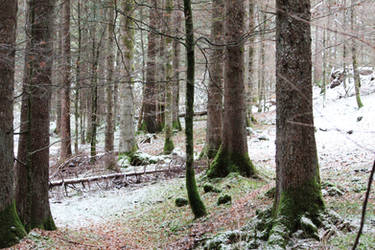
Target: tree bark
356, 76
250, 79
233, 154
8, 214
150, 94
195, 201
66, 149
33, 148
215, 86
127, 131
298, 190
109, 131
176, 68
168, 116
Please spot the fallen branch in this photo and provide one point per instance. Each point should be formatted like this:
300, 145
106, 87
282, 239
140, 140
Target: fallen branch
364, 207
102, 177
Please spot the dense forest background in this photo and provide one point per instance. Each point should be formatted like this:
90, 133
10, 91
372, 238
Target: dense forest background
109, 97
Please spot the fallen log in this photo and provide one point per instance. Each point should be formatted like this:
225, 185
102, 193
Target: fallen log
102, 177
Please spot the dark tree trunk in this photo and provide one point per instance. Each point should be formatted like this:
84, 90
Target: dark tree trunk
109, 132
215, 91
66, 148
150, 94
297, 172
233, 154
250, 78
8, 214
195, 201
33, 148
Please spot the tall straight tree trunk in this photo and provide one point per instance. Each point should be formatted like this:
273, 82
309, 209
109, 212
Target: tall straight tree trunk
178, 15
215, 85
11, 228
233, 153
66, 149
298, 190
250, 77
109, 131
168, 116
262, 70
195, 201
356, 76
59, 67
161, 68
78, 80
317, 57
344, 49
127, 130
33, 148
150, 90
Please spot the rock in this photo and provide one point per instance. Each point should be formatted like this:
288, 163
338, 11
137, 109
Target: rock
224, 199
334, 191
249, 131
350, 132
180, 202
209, 188
359, 118
263, 138
309, 227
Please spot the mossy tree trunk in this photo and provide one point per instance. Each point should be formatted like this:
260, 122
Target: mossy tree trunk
178, 15
195, 201
66, 148
110, 57
356, 76
33, 148
127, 131
215, 85
298, 190
168, 121
150, 89
233, 153
11, 228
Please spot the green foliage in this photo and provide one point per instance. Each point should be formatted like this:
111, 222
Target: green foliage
225, 163
176, 125
11, 228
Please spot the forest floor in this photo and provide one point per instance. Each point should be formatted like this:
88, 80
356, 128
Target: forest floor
144, 216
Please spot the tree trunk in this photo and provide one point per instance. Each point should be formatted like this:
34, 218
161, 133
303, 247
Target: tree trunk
261, 68
250, 79
168, 116
233, 154
176, 68
33, 148
127, 131
78, 80
150, 94
109, 131
195, 201
66, 149
215, 86
356, 76
11, 228
298, 190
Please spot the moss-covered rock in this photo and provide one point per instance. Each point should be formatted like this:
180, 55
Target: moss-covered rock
180, 202
140, 159
11, 228
309, 228
210, 188
228, 240
224, 199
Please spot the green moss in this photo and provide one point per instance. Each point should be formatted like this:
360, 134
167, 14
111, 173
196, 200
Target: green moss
225, 163
168, 146
298, 201
11, 228
209, 188
176, 125
180, 202
224, 199
48, 224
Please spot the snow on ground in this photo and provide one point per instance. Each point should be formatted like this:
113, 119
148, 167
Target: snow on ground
100, 207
